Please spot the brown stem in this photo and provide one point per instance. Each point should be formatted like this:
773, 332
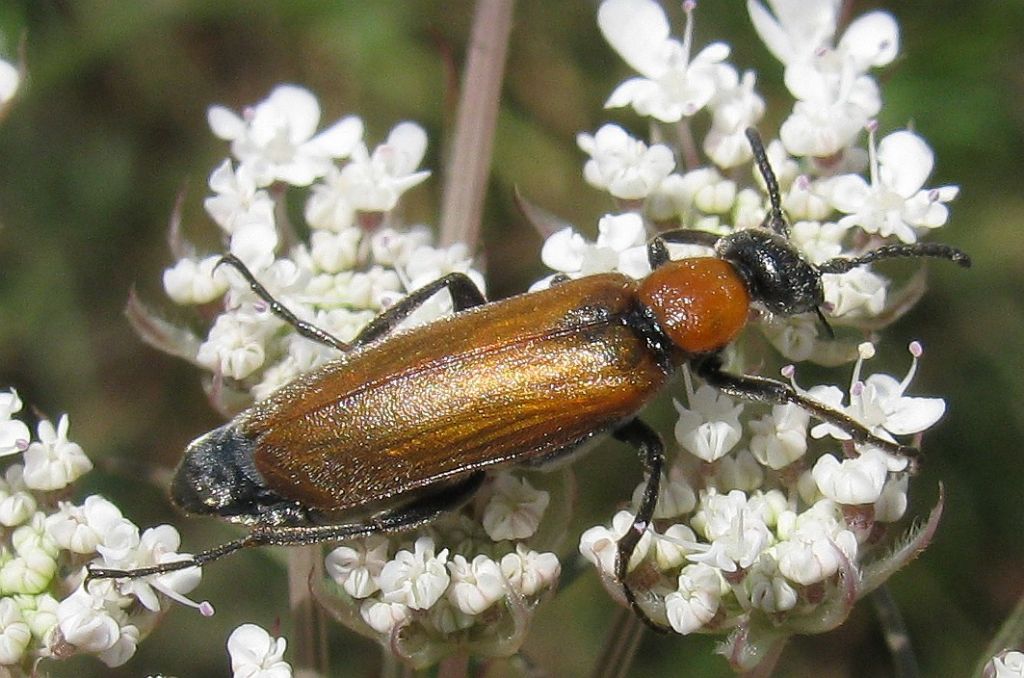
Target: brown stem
309, 644
470, 155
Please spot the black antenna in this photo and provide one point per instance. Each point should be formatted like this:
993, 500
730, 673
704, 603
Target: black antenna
774, 219
921, 249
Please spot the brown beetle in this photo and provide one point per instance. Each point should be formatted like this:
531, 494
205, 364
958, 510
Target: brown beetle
403, 426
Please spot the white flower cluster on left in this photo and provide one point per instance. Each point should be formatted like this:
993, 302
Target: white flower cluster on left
46, 607
357, 261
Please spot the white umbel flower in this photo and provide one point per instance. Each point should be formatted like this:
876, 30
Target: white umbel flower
255, 654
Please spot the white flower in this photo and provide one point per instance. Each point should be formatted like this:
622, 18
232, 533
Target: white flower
255, 654
895, 202
600, 544
780, 438
276, 137
831, 110
736, 527
815, 546
672, 547
356, 567
476, 584
54, 462
335, 251
415, 578
528, 572
818, 241
768, 589
40, 613
14, 434
620, 246
853, 481
710, 427
85, 617
622, 165
238, 200
392, 248
515, 510
10, 79
892, 504
878, 402
153, 547
675, 494
835, 98
855, 294
254, 241
17, 504
384, 617
29, 572
15, 634
234, 346
799, 28
1006, 664
673, 85
123, 648
695, 601
736, 108
194, 282
739, 472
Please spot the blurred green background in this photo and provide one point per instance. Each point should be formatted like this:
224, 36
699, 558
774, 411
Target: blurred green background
112, 124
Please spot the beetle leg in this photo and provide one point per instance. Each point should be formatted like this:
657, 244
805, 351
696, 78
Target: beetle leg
308, 330
418, 512
657, 252
648, 444
763, 389
465, 294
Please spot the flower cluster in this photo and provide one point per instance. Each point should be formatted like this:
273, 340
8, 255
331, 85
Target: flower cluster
477, 593
46, 607
354, 264
767, 523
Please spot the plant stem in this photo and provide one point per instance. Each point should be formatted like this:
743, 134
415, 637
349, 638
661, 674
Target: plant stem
469, 160
309, 644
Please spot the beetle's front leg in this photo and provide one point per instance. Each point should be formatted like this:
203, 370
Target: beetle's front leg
763, 389
648, 444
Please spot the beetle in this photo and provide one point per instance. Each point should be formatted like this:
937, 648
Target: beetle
404, 425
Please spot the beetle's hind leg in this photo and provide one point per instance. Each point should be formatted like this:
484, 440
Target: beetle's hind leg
417, 512
652, 454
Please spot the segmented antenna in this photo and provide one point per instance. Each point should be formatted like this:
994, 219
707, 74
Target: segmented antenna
921, 249
774, 219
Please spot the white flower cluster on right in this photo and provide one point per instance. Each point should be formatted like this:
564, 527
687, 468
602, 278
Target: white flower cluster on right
768, 523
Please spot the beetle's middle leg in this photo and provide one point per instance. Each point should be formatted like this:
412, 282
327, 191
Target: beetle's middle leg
465, 294
407, 516
652, 454
763, 389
